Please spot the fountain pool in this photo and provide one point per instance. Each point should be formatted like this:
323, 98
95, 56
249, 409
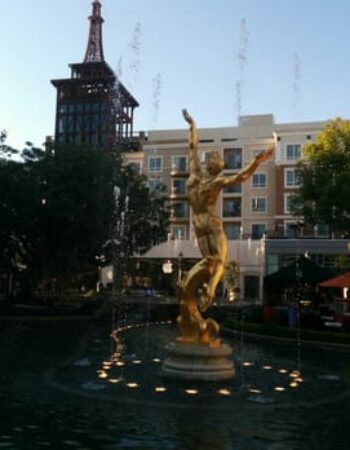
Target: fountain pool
69, 385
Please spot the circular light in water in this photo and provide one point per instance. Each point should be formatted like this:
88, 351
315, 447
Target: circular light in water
156, 360
137, 361
120, 363
283, 370
267, 367
293, 384
103, 375
225, 392
279, 388
255, 391
294, 374
115, 380
132, 385
160, 389
299, 380
248, 363
191, 391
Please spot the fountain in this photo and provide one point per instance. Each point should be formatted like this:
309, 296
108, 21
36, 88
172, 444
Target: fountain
198, 352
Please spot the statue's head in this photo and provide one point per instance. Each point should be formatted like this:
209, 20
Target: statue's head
215, 163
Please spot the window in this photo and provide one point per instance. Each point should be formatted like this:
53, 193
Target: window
259, 204
179, 210
232, 207
205, 157
155, 163
293, 151
287, 203
154, 184
179, 163
258, 230
178, 232
259, 180
179, 186
135, 167
291, 178
234, 189
291, 230
232, 230
233, 158
322, 230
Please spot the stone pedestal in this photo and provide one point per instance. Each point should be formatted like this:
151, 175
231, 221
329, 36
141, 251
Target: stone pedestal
198, 362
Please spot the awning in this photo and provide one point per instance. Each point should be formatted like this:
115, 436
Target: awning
341, 281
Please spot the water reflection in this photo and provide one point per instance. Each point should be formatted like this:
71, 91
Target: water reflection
48, 400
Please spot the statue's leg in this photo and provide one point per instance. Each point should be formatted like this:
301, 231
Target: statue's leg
218, 248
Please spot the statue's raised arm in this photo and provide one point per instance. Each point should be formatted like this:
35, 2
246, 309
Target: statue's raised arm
195, 164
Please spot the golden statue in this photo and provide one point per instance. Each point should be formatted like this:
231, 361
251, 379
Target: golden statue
197, 288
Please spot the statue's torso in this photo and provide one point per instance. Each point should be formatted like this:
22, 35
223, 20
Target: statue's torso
202, 195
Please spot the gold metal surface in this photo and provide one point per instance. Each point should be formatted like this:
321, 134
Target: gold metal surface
197, 287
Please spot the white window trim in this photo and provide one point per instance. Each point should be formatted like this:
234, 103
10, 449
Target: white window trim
173, 186
179, 201
149, 163
255, 197
288, 222
173, 167
257, 223
285, 145
259, 187
160, 180
285, 203
286, 170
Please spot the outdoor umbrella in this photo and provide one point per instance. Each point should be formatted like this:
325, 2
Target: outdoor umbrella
340, 281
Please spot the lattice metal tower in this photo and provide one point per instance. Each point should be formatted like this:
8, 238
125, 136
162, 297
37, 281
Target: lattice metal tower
93, 106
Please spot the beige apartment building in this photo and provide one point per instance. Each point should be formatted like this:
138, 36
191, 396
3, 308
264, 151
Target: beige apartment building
250, 212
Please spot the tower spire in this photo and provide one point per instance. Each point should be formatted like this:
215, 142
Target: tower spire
94, 50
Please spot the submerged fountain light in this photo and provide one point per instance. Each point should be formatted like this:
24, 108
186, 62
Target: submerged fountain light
279, 388
293, 384
132, 385
224, 392
156, 360
115, 380
191, 391
294, 374
160, 389
120, 363
103, 375
282, 370
267, 367
255, 391
137, 361
248, 363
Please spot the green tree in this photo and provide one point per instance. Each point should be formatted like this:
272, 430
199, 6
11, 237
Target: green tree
58, 210
324, 174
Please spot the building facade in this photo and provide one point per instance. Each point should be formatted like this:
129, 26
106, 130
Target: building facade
254, 212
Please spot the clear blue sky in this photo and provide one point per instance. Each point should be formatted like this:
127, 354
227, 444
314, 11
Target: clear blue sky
194, 46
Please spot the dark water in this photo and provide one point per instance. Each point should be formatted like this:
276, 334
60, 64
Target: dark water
51, 395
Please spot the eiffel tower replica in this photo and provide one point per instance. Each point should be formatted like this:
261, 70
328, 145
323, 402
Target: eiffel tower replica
93, 107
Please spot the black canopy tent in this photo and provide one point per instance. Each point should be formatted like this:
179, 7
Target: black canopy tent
303, 271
